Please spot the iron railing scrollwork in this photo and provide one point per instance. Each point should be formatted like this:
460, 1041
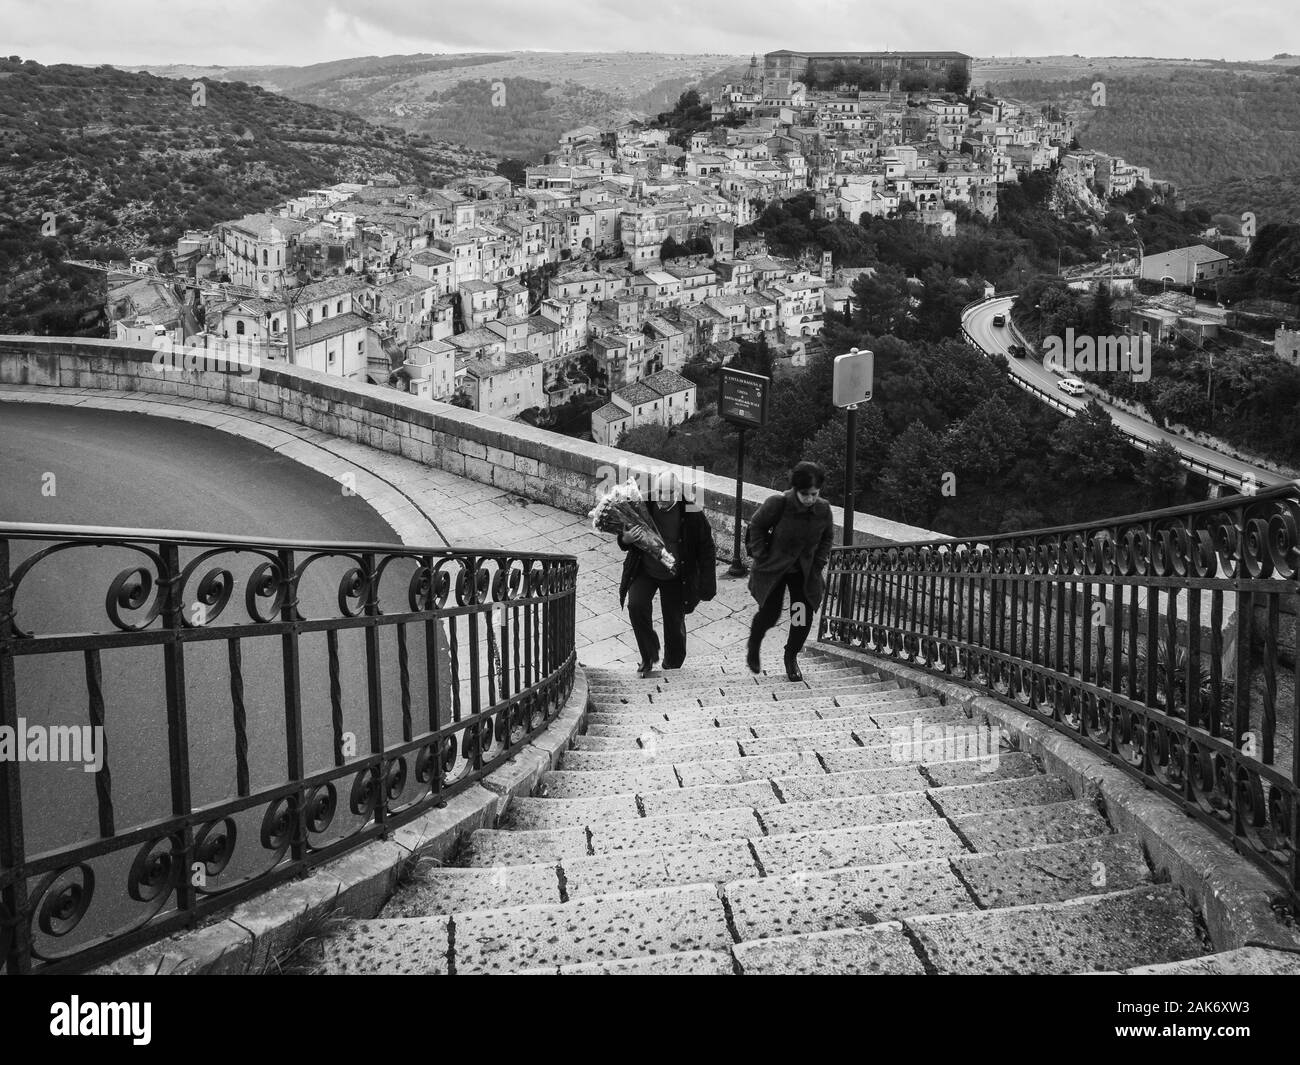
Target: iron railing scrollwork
1164, 641
255, 707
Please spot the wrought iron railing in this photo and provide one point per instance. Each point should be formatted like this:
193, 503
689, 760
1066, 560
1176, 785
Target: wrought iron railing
187, 720
1165, 642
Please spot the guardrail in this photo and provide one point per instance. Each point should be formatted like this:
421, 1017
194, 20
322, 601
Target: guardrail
1156, 640
1223, 476
187, 720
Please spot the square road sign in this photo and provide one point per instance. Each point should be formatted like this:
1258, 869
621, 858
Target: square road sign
853, 376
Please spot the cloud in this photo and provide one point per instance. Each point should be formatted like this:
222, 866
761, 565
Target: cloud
299, 32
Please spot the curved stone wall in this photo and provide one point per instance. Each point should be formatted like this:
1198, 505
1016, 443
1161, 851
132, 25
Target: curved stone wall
518, 458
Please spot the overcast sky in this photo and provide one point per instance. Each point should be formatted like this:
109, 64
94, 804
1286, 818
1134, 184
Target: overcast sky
298, 32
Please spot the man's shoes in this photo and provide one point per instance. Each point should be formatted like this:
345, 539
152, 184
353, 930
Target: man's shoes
647, 666
792, 666
752, 660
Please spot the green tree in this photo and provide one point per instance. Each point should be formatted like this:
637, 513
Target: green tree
1161, 475
912, 477
1088, 447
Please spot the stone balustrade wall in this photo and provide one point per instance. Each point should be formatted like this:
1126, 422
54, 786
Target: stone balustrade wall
518, 458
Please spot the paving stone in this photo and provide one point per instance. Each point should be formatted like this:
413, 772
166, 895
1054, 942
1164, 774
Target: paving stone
848, 898
848, 760
488, 846
1097, 933
587, 784
845, 813
706, 797
649, 752
799, 741
1057, 822
695, 738
1000, 795
1048, 874
881, 950
590, 742
896, 699
449, 889
976, 771
672, 830
1245, 961
908, 841
530, 813
696, 863
389, 947
734, 770
886, 718
600, 929
844, 785
679, 963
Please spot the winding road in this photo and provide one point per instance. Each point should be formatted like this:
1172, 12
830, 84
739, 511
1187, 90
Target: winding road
1030, 374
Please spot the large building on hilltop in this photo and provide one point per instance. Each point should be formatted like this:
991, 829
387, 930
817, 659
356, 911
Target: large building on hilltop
799, 66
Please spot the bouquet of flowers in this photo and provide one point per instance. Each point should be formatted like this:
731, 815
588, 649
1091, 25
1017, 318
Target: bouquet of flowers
623, 511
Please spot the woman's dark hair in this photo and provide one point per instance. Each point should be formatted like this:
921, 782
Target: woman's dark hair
807, 475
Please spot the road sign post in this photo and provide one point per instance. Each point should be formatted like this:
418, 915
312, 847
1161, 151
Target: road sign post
852, 383
742, 400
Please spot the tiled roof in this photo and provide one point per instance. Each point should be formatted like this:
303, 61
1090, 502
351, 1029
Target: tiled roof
668, 382
611, 412
638, 393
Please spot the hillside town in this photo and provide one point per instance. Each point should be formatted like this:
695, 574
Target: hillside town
618, 259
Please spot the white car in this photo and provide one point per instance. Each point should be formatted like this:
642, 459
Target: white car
1071, 386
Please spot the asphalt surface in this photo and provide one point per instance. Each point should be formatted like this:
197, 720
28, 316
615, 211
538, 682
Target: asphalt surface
116, 469
979, 323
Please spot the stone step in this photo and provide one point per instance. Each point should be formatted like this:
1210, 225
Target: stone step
685, 682
814, 902
494, 846
752, 715
1144, 926
676, 963
701, 799
664, 740
677, 829
762, 767
981, 770
791, 691
389, 946
1054, 873
728, 659
1057, 822
880, 950
675, 684
599, 929
904, 841
714, 862
854, 811
648, 753
1007, 794
849, 785
449, 889
591, 783
532, 813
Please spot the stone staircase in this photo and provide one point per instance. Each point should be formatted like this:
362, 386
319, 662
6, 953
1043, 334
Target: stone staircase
711, 821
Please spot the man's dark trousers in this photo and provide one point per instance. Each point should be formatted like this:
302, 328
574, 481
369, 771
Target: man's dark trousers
640, 608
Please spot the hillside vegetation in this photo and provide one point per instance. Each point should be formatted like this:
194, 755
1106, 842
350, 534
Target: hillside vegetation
116, 163
1229, 139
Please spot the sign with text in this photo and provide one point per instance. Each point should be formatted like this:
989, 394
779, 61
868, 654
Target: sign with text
742, 397
854, 374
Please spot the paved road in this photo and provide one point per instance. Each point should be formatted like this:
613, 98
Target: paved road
1218, 466
127, 470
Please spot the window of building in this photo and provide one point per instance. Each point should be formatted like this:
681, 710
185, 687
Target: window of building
338, 308
239, 328
266, 257
331, 356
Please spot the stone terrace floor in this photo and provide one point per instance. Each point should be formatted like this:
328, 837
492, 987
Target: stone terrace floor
428, 506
